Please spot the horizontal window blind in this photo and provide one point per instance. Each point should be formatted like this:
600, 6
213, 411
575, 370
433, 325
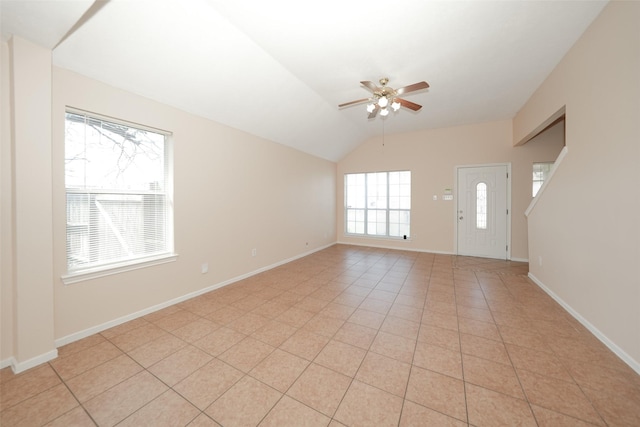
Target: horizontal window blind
118, 186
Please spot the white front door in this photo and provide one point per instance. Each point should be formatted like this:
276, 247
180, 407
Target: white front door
482, 214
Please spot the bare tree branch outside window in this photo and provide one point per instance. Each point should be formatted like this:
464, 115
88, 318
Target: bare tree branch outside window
118, 155
117, 204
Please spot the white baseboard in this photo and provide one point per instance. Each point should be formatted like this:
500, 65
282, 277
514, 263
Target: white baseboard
115, 322
18, 367
395, 248
7, 362
428, 251
634, 364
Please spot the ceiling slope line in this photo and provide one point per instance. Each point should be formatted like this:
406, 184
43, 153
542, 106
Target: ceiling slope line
93, 9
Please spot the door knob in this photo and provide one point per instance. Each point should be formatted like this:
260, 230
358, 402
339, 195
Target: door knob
461, 217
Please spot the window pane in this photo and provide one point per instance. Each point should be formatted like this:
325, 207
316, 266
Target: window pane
481, 206
355, 221
377, 190
394, 229
400, 190
355, 190
77, 229
383, 198
541, 172
377, 222
536, 187
103, 155
117, 207
405, 223
399, 223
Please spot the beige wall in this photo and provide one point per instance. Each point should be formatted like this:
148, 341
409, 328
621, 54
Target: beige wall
233, 192
6, 229
584, 227
28, 262
432, 157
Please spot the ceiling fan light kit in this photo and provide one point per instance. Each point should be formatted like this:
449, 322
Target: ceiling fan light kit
385, 98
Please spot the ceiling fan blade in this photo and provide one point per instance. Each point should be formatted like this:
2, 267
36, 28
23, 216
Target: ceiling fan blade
374, 112
369, 85
412, 88
359, 101
408, 104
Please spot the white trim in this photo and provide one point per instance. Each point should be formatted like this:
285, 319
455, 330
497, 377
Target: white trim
144, 260
103, 271
456, 208
634, 364
534, 201
120, 320
18, 367
115, 322
7, 362
367, 245
91, 114
374, 237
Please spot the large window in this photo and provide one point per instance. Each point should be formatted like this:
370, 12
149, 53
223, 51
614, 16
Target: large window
118, 185
378, 203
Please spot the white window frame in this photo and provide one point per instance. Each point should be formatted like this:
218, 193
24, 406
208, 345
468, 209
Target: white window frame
162, 256
369, 210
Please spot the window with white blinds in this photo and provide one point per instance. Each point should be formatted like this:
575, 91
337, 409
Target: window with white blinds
118, 187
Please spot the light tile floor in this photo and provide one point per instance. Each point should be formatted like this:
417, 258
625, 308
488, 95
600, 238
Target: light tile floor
348, 336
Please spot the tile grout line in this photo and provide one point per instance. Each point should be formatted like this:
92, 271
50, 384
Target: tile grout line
80, 404
406, 388
464, 382
524, 393
380, 265
291, 385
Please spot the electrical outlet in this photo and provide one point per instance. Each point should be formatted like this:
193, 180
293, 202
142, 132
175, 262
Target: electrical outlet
254, 252
540, 260
205, 268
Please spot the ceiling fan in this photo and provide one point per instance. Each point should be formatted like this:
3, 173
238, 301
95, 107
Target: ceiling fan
385, 96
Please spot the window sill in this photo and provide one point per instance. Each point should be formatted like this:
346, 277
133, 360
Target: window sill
82, 275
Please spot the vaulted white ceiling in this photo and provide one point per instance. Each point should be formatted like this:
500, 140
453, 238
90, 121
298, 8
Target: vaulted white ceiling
278, 69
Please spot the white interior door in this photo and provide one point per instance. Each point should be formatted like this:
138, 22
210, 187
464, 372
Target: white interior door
482, 214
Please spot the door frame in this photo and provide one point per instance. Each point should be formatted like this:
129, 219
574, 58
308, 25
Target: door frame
456, 208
